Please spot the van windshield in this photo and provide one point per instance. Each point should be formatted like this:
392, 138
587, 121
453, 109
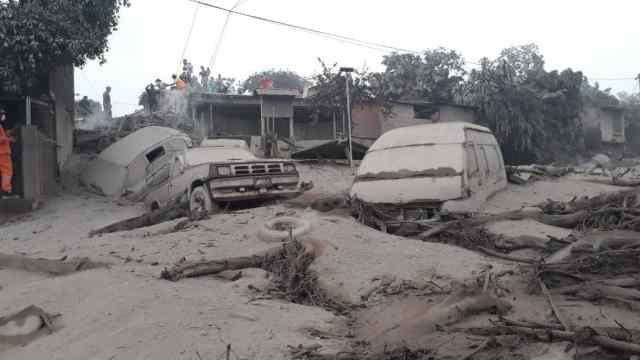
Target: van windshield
439, 160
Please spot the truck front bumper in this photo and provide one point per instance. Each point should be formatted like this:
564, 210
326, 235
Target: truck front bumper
257, 188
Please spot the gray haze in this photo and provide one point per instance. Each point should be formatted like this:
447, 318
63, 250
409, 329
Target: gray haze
598, 38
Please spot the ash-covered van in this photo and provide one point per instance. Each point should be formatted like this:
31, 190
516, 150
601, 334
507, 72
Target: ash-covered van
417, 173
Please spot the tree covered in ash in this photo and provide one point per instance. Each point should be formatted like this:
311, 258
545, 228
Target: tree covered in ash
534, 113
282, 79
37, 35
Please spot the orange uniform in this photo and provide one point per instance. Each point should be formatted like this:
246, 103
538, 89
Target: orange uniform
180, 84
6, 167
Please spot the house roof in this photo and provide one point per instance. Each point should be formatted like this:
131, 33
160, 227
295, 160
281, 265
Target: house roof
612, 108
430, 103
278, 92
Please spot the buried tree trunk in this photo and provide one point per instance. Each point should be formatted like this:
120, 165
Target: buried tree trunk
412, 330
155, 217
585, 335
568, 221
46, 266
289, 264
264, 260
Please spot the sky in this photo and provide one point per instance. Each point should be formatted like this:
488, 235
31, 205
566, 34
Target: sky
598, 38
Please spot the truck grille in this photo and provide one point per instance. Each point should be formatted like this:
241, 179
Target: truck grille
257, 169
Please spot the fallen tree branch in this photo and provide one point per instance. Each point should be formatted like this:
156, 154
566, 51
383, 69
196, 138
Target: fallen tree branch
203, 268
555, 310
47, 266
155, 217
585, 334
507, 257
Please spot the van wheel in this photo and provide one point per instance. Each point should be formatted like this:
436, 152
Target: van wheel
199, 201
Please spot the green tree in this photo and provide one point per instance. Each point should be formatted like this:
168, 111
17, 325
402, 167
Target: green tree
534, 113
37, 35
329, 87
526, 60
282, 79
437, 75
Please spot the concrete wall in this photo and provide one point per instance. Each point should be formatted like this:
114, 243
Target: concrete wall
401, 115
367, 121
606, 121
61, 85
235, 121
454, 113
321, 130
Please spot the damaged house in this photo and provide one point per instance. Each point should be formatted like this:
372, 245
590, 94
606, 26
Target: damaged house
281, 112
44, 122
605, 124
304, 131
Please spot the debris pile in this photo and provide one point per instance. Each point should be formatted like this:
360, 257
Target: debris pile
287, 263
521, 175
100, 138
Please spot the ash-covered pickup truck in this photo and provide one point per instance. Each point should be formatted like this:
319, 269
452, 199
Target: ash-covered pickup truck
223, 171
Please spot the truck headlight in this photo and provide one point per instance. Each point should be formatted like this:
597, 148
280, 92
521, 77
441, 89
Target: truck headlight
289, 168
224, 170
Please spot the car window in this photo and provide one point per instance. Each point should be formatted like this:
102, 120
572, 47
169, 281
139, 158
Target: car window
472, 161
492, 157
498, 157
155, 154
482, 160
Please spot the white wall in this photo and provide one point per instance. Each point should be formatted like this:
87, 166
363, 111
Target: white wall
61, 84
593, 117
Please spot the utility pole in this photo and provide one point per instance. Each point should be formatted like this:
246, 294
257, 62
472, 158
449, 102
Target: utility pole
348, 71
638, 78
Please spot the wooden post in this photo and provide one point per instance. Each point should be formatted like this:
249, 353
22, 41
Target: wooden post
291, 128
211, 128
335, 129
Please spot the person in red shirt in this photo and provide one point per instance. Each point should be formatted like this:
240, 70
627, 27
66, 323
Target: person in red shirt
6, 167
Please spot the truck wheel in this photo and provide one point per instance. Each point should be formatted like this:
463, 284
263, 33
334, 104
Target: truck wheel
200, 201
277, 230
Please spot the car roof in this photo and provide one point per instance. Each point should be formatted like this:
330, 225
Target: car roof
125, 150
439, 133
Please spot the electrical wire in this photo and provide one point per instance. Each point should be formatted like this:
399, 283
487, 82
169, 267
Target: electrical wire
343, 38
216, 51
186, 43
611, 79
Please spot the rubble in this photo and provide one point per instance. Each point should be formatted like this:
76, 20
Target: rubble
100, 138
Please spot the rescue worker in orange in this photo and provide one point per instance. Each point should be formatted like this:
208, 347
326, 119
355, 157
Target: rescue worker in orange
6, 167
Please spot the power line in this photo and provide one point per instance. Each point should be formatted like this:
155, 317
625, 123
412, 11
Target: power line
214, 56
343, 38
186, 43
611, 79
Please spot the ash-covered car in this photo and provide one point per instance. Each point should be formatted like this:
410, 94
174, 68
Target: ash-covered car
223, 171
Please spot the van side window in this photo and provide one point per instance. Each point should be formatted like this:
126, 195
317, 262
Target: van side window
156, 153
482, 158
492, 158
498, 157
472, 161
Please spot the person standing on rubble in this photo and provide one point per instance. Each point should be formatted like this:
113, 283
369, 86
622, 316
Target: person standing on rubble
180, 96
152, 97
6, 166
106, 103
